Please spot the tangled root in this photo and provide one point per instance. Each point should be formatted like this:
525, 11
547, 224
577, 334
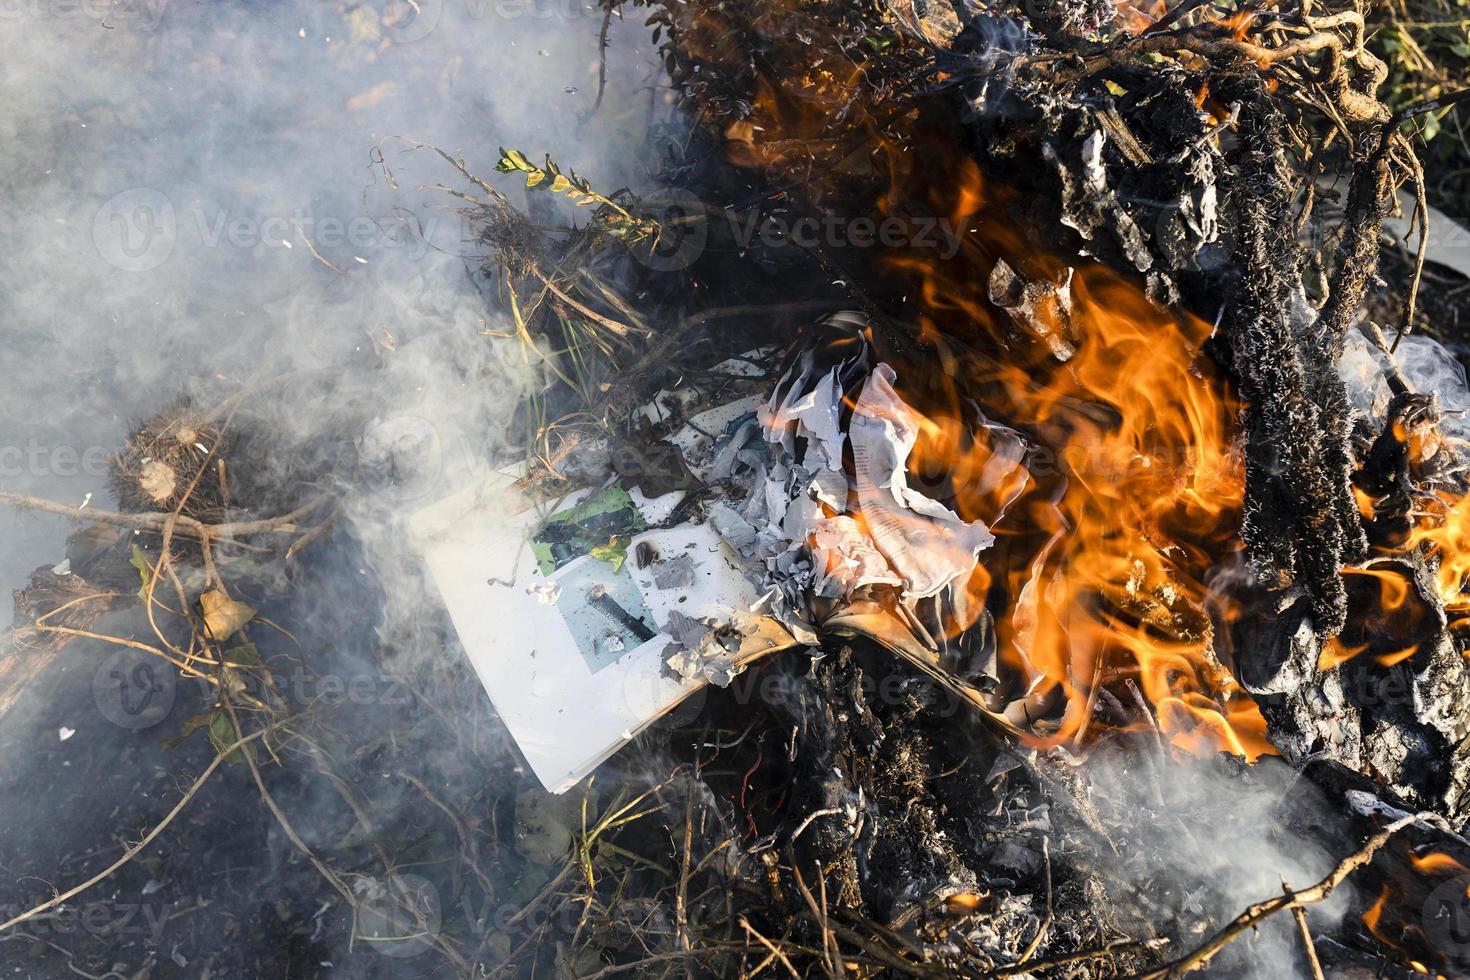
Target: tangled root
164, 455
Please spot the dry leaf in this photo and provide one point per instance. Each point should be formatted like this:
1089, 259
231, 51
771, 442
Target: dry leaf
223, 615
158, 480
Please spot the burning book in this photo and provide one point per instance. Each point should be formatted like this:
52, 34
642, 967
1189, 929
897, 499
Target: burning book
992, 500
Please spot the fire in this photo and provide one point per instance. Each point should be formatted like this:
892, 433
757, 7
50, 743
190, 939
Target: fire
1144, 491
1393, 587
1374, 915
1099, 577
1435, 863
1443, 531
1335, 653
1386, 921
1397, 657
1367, 504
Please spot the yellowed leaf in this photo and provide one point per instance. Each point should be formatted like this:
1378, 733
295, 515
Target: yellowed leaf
223, 615
158, 480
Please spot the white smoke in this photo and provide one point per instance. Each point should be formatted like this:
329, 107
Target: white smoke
170, 166
199, 198
1197, 841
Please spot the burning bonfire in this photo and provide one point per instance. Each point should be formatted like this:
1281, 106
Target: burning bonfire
1076, 512
1095, 468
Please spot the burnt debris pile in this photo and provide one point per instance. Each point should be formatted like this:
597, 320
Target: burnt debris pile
977, 520
1114, 464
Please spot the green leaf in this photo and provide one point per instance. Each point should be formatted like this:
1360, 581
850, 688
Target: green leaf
615, 552
222, 735
243, 653
545, 560
140, 562
608, 500
513, 160
595, 521
613, 216
190, 725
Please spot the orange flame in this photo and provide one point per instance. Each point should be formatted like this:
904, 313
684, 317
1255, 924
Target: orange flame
1374, 915
1443, 530
1435, 863
1335, 653
1099, 576
1140, 425
1386, 920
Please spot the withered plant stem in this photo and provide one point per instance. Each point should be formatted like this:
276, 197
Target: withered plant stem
1256, 914
1126, 946
157, 521
1305, 931
775, 955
